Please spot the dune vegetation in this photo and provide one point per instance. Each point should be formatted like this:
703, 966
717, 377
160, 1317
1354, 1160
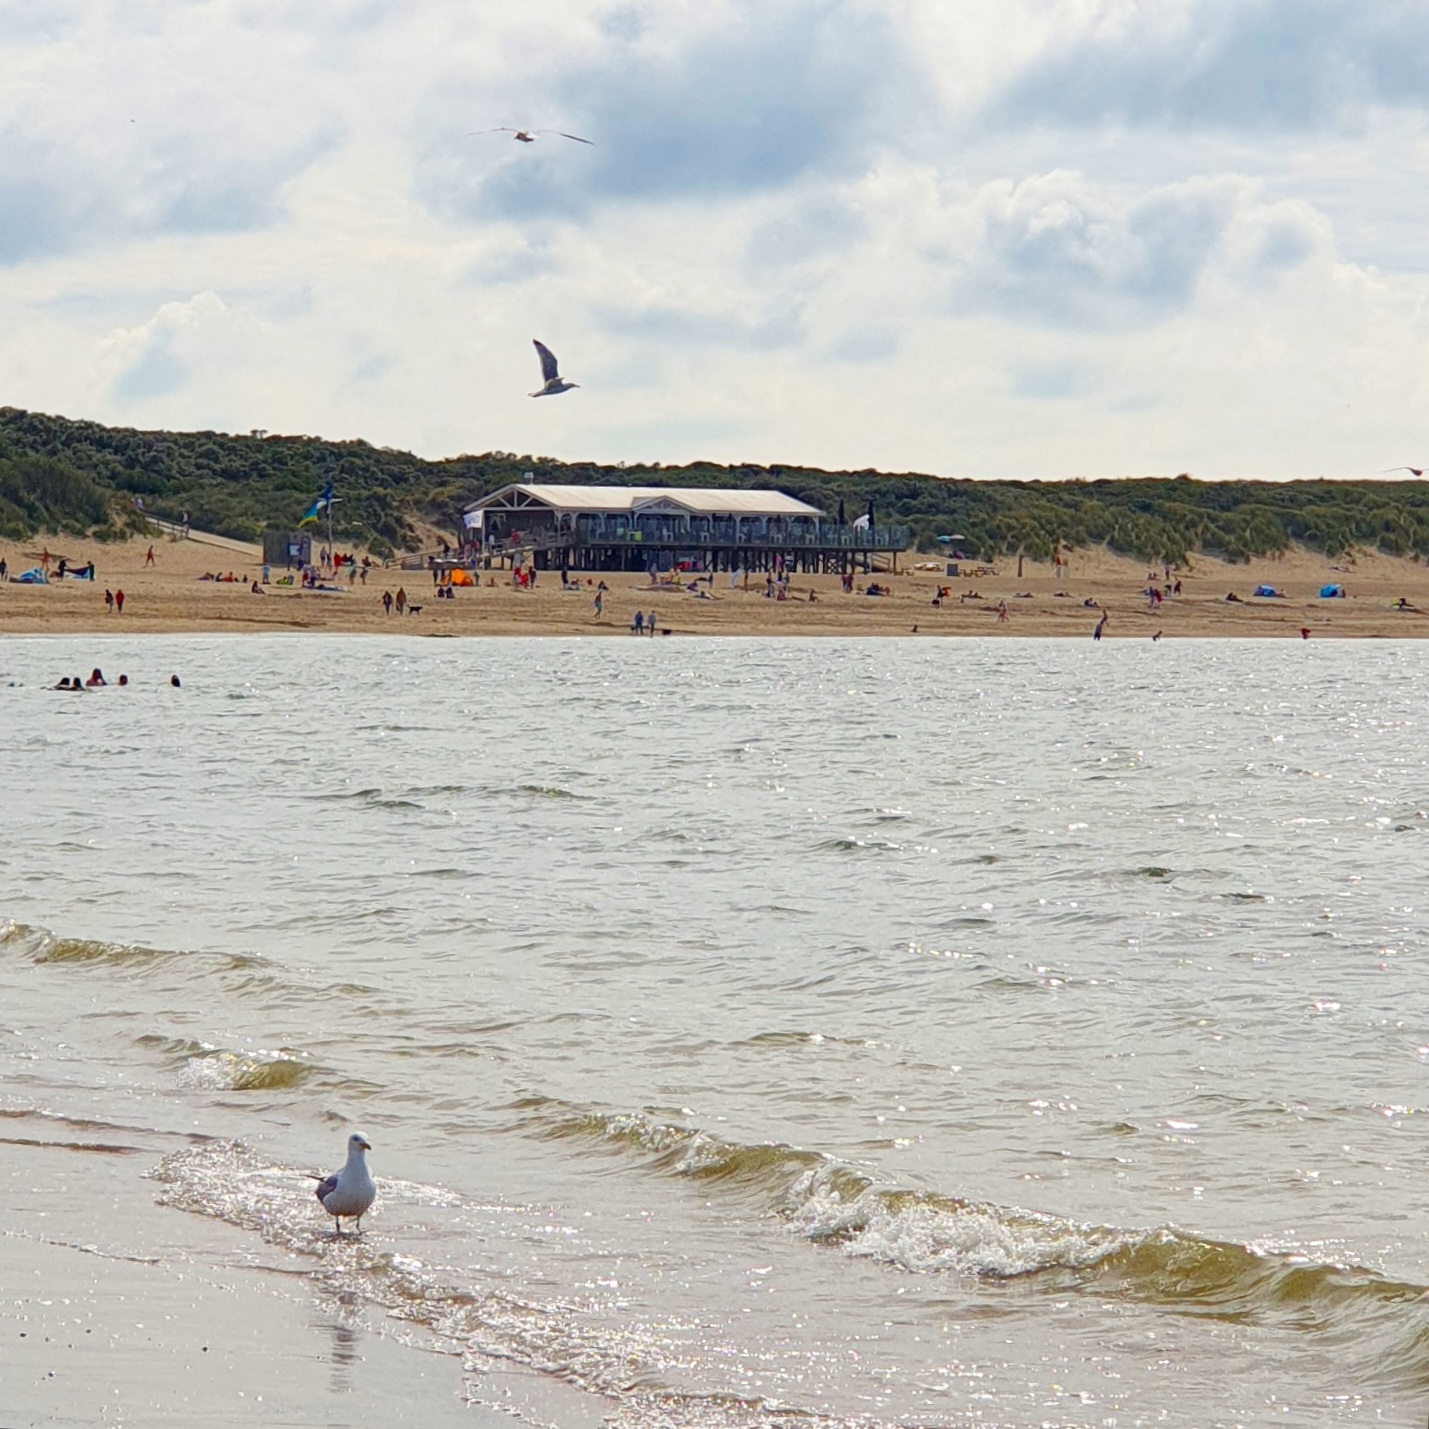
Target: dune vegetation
62, 475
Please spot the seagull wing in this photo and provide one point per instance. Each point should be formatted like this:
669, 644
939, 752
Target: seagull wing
500, 129
326, 1187
548, 361
564, 135
1412, 470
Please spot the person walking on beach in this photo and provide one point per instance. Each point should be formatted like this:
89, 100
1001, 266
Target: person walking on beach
109, 601
1001, 612
1101, 625
401, 600
600, 600
119, 602
637, 626
386, 602
149, 557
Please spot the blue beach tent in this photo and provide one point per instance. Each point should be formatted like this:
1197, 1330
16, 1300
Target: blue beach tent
1329, 592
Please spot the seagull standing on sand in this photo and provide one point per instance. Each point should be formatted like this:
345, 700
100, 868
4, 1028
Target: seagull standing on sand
555, 383
349, 1192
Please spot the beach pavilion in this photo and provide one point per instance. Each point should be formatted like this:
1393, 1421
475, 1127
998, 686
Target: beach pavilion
636, 528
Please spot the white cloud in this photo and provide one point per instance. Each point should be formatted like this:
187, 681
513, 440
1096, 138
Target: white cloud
1237, 64
1056, 250
1026, 240
729, 98
156, 358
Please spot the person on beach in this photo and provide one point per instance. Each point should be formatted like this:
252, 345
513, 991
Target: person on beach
600, 600
637, 626
1001, 612
96, 677
650, 622
119, 602
149, 557
109, 601
401, 601
1101, 626
387, 602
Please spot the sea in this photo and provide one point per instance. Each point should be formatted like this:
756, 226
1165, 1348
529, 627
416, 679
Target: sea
749, 1032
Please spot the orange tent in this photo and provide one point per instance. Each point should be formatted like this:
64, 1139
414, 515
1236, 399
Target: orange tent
461, 578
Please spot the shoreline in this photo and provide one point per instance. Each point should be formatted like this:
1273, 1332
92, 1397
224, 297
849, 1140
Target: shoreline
172, 597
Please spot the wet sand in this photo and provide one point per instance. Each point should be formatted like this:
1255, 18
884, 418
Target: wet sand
171, 597
116, 1309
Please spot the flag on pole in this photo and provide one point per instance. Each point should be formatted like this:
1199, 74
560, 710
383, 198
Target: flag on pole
323, 503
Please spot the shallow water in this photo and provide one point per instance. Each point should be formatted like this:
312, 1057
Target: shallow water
969, 1032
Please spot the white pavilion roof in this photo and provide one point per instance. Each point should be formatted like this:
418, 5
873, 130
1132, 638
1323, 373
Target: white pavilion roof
615, 500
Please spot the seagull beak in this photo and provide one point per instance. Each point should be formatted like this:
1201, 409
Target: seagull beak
364, 1143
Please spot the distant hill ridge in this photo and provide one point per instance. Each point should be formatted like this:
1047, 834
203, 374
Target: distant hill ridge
64, 475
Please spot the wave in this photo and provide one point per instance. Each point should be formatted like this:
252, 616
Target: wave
38, 946
550, 791
836, 1204
205, 1067
622, 1364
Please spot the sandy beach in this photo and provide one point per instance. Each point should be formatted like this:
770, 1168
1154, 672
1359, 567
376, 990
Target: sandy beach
196, 1327
172, 596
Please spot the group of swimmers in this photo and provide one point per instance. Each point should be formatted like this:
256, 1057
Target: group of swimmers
96, 681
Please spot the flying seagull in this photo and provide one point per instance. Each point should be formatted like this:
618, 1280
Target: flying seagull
554, 381
1412, 470
529, 136
349, 1192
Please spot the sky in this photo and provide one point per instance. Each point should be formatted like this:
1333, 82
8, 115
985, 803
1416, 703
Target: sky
1034, 239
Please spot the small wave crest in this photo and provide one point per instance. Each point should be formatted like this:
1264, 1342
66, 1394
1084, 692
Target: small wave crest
833, 1203
39, 946
205, 1067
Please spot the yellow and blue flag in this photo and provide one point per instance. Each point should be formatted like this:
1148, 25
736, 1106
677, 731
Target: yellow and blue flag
323, 503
